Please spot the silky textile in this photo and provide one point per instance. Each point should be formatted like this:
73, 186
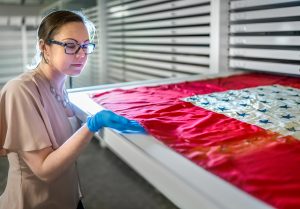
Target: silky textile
243, 128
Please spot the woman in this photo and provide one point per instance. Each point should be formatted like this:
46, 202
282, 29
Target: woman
37, 123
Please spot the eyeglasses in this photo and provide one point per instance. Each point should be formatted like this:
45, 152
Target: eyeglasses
72, 47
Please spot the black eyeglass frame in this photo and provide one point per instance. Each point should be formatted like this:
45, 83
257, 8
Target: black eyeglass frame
64, 44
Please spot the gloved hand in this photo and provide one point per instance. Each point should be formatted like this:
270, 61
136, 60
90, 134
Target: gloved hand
107, 118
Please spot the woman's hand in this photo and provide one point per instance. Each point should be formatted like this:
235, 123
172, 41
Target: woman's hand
107, 118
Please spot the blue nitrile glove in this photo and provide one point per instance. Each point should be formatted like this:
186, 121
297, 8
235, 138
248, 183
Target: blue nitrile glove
107, 118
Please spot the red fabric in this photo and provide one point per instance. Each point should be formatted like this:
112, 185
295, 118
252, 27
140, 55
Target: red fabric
257, 161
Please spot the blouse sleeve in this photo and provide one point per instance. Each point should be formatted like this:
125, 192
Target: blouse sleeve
22, 127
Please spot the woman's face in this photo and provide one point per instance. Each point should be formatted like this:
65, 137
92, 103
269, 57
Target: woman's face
69, 64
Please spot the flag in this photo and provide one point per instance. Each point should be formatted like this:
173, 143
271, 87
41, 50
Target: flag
243, 128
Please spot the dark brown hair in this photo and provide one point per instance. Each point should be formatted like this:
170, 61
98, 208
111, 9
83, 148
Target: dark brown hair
51, 23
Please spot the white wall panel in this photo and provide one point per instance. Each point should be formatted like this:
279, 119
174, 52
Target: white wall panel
12, 56
201, 50
265, 53
121, 6
264, 66
156, 8
266, 40
161, 38
163, 23
164, 40
264, 35
183, 68
268, 13
116, 74
133, 76
162, 15
155, 72
164, 32
168, 57
255, 3
266, 27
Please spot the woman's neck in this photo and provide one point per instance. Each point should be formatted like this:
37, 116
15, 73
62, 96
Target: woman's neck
55, 78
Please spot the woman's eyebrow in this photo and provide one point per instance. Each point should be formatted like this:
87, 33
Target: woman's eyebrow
75, 40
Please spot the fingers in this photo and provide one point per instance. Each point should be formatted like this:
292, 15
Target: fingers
129, 126
123, 120
116, 118
135, 126
121, 123
119, 127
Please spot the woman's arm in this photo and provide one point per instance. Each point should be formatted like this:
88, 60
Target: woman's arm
47, 164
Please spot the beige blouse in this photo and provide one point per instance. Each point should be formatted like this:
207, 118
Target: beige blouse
31, 119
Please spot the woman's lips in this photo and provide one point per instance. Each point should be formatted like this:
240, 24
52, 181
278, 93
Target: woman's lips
77, 65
